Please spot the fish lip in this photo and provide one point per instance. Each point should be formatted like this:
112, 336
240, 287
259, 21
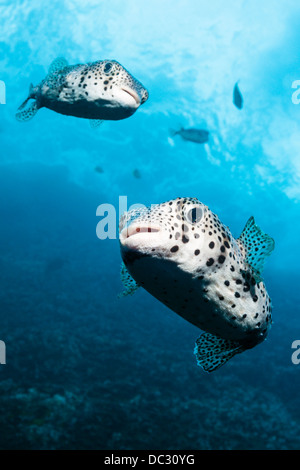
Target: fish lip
132, 93
136, 230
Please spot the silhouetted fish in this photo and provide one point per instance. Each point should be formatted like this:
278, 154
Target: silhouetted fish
55, 264
136, 174
199, 136
237, 97
99, 169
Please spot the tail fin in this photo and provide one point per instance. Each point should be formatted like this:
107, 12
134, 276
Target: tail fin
30, 112
27, 113
212, 352
174, 132
30, 96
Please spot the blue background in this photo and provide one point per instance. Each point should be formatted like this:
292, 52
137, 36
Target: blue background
84, 368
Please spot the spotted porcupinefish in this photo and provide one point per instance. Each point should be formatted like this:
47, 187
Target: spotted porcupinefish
199, 136
183, 255
237, 97
98, 91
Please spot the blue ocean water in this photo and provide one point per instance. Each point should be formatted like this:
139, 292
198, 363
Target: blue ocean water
85, 369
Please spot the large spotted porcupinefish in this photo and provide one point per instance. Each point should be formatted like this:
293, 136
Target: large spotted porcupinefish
98, 91
183, 255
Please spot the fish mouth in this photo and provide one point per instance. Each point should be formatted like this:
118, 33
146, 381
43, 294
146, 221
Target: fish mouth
133, 94
138, 235
135, 230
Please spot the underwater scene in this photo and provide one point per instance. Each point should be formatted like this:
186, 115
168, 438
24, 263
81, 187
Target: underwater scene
150, 189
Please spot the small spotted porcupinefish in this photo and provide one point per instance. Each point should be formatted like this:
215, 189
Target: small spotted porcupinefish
98, 91
237, 97
183, 255
199, 136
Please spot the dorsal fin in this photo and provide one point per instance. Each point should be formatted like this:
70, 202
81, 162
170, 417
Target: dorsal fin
130, 286
57, 65
258, 245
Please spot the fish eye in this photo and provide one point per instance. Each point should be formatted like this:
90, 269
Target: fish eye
107, 67
194, 215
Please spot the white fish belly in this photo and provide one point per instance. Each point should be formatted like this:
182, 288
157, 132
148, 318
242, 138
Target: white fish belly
194, 299
80, 107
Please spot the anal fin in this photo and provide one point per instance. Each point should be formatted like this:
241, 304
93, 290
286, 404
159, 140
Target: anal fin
95, 123
212, 352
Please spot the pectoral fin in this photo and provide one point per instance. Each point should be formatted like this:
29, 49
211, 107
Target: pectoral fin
130, 286
258, 246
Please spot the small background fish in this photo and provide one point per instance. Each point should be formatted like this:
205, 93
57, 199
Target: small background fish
137, 174
237, 97
199, 136
99, 169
